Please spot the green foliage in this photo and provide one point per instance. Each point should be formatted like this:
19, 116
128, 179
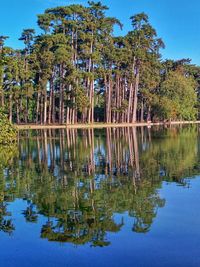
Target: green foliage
8, 133
178, 97
82, 100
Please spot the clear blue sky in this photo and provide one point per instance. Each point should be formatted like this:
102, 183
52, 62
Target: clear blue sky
176, 21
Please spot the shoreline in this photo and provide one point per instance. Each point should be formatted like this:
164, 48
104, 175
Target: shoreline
101, 125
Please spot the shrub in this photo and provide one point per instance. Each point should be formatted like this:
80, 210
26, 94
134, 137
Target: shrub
8, 133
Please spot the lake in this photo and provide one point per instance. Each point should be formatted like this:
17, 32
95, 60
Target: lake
110, 197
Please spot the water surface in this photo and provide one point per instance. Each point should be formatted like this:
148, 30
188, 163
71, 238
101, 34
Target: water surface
112, 197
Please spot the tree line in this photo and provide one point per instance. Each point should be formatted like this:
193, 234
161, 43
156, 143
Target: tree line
77, 71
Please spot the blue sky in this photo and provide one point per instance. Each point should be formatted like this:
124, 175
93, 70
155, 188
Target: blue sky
176, 21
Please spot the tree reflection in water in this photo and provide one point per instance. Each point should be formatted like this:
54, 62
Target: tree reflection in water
79, 180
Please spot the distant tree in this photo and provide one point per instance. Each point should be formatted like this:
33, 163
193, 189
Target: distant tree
178, 97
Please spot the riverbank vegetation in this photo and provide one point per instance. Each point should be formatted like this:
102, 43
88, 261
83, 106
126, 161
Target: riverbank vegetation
77, 71
8, 133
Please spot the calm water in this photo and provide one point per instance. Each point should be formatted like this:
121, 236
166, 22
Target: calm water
115, 197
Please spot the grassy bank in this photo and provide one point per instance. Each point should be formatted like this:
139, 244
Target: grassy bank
100, 125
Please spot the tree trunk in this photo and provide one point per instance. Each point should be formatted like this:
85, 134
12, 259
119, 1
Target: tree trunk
45, 106
26, 111
130, 103
149, 114
10, 107
50, 102
17, 111
37, 108
142, 111
134, 118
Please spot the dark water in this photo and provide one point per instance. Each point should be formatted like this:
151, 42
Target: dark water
115, 197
